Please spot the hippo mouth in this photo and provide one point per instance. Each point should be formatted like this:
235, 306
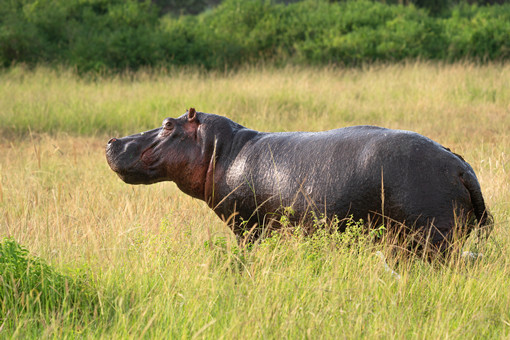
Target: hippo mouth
132, 166
147, 157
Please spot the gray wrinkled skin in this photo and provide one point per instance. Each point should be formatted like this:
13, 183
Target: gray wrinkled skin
342, 172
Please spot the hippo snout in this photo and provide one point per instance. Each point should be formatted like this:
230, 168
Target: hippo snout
111, 145
128, 157
112, 154
113, 148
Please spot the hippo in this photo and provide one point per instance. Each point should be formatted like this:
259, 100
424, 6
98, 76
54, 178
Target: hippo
252, 178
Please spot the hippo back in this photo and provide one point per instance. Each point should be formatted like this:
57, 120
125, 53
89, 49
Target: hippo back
344, 172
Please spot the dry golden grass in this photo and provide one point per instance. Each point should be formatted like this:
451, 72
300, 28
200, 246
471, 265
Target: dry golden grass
144, 245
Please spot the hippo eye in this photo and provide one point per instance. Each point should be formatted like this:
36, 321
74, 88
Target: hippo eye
169, 125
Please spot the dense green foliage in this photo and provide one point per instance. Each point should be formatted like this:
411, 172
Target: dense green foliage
28, 285
118, 35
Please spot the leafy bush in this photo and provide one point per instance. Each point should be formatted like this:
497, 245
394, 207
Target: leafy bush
118, 35
91, 34
478, 32
29, 285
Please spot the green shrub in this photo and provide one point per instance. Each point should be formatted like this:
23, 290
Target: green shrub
478, 32
118, 35
29, 285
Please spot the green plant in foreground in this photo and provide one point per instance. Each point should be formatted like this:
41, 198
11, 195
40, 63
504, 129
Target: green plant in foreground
29, 285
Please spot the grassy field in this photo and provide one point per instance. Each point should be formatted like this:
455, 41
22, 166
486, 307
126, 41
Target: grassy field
147, 261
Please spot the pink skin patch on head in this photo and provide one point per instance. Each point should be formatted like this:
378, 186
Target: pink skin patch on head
146, 157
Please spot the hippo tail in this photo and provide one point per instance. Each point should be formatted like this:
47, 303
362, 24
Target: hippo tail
484, 217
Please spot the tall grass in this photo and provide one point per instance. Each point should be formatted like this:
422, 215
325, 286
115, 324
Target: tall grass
155, 263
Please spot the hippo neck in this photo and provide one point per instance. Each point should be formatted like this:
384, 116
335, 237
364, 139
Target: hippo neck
223, 154
209, 178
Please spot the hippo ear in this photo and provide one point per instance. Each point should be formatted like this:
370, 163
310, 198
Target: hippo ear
192, 114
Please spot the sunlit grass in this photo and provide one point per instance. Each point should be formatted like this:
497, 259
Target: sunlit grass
472, 99
162, 265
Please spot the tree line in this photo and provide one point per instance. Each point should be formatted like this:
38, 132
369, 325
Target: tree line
95, 35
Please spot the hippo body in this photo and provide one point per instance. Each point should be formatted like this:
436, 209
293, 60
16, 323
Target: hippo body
366, 172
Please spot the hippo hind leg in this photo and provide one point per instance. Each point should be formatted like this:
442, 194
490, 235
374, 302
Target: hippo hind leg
447, 234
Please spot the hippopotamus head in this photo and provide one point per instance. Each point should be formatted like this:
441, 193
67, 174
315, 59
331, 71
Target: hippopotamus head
181, 150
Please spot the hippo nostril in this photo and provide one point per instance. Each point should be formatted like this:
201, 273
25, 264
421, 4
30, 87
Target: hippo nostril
112, 140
